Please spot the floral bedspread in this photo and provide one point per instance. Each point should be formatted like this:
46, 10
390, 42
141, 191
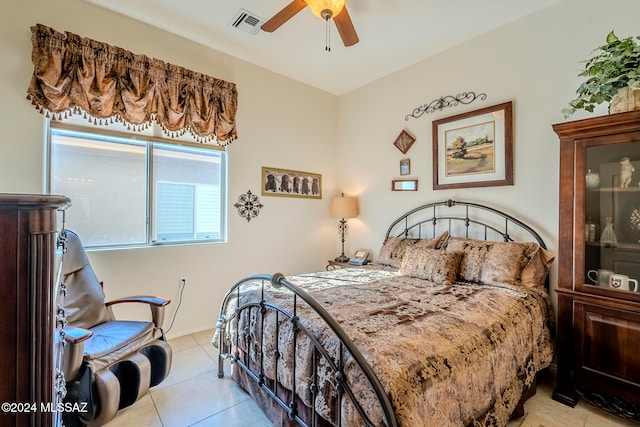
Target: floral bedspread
448, 355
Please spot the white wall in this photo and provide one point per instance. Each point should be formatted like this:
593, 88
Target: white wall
275, 129
533, 62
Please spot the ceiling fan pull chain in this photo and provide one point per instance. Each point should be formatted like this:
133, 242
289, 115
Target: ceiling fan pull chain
327, 36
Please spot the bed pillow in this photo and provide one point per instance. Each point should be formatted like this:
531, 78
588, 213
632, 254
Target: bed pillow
435, 265
394, 248
428, 243
492, 263
534, 274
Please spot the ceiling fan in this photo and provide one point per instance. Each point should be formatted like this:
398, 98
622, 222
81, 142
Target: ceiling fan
324, 9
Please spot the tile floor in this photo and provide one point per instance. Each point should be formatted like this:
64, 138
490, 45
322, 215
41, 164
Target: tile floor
193, 395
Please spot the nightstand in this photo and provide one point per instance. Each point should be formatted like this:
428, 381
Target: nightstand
335, 265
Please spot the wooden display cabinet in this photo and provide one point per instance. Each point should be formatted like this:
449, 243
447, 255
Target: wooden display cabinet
598, 333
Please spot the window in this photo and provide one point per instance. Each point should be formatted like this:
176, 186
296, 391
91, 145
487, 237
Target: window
133, 190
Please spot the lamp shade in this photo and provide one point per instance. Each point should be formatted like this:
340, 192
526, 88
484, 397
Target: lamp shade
344, 207
318, 6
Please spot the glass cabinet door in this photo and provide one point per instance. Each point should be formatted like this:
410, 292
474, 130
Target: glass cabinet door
612, 219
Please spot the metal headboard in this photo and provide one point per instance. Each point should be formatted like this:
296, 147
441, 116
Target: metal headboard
461, 219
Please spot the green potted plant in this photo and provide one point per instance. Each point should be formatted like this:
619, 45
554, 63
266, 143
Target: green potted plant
613, 75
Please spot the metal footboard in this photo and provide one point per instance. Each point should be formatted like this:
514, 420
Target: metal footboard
232, 310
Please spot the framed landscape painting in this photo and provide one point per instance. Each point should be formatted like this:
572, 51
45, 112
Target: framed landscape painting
474, 149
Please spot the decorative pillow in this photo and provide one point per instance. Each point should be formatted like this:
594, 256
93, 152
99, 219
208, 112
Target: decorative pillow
431, 264
535, 273
439, 242
394, 248
492, 263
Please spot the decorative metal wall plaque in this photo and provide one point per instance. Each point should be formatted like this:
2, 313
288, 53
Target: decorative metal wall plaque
444, 102
248, 205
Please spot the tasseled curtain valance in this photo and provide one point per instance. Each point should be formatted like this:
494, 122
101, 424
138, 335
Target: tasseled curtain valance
73, 74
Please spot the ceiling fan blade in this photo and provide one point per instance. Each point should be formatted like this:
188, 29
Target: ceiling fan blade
283, 16
345, 28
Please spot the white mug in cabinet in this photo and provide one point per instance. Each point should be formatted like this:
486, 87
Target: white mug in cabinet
623, 282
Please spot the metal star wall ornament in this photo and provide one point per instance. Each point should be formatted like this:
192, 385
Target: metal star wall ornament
248, 205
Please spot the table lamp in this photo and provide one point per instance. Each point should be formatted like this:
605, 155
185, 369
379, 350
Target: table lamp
343, 207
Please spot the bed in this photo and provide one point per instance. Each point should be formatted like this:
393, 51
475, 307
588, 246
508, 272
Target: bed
450, 326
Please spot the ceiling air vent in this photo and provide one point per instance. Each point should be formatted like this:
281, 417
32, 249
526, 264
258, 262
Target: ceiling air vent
247, 22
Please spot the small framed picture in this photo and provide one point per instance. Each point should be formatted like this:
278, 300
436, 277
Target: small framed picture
404, 185
404, 141
405, 167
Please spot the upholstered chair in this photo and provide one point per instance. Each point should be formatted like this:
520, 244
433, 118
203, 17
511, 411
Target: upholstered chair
108, 364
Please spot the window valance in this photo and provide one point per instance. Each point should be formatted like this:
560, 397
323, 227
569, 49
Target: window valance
73, 74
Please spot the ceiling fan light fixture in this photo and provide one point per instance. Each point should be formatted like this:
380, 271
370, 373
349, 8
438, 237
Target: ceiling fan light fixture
326, 9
